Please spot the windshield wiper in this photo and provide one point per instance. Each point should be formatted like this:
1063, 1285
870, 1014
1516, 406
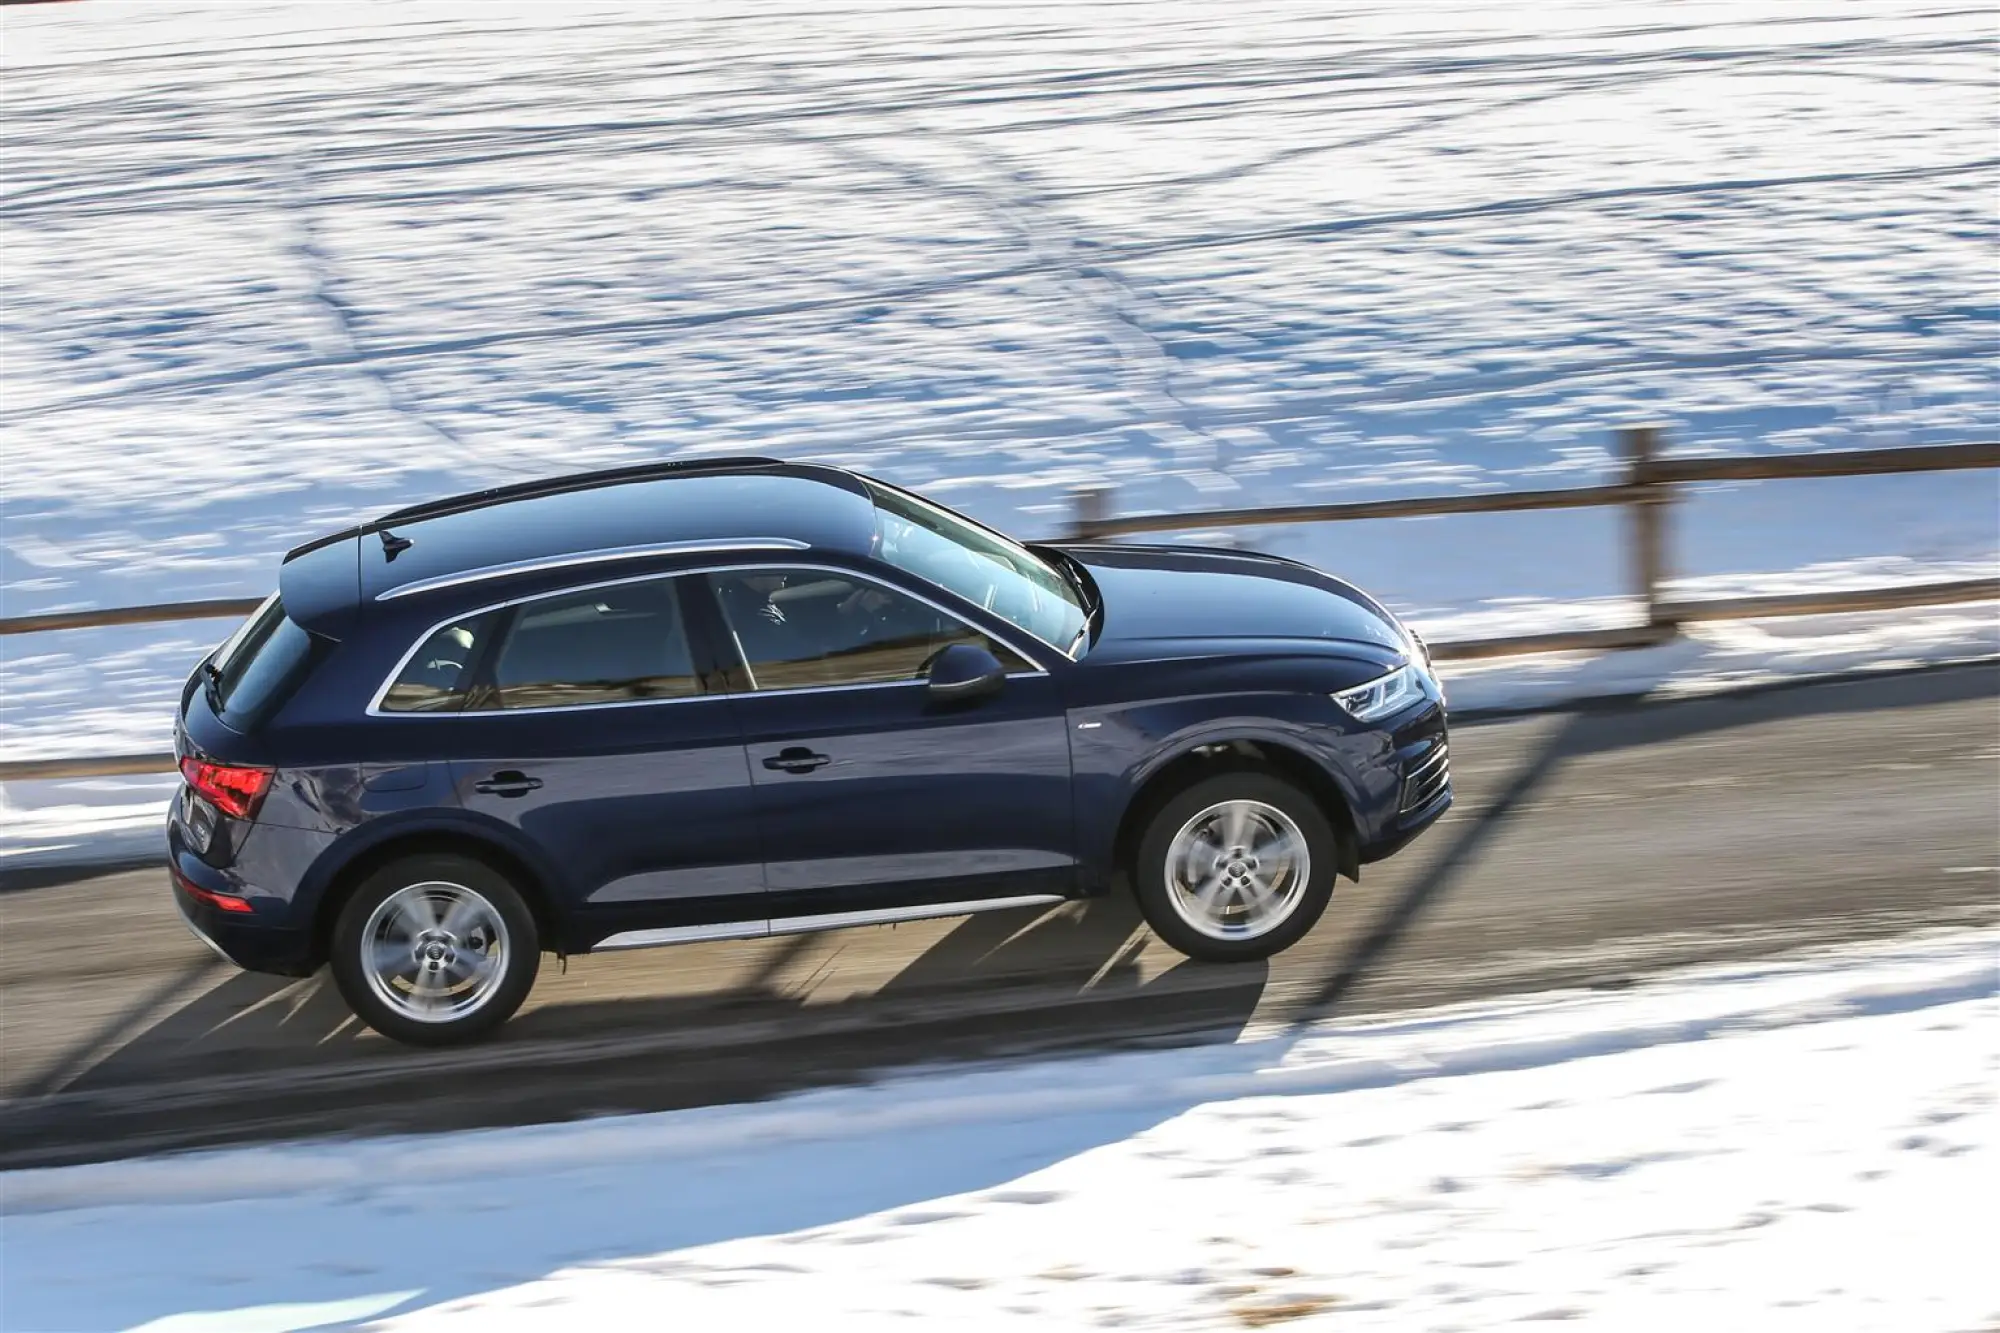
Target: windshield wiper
211, 685
1093, 604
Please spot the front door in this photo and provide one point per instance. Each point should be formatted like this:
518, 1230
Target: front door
870, 795
591, 732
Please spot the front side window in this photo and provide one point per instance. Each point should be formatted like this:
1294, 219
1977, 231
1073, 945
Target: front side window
803, 628
620, 644
980, 566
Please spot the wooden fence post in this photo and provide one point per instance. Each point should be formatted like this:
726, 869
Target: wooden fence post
1093, 506
1641, 446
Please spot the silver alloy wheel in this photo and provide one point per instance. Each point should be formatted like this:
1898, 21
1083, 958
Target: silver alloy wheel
435, 952
1238, 869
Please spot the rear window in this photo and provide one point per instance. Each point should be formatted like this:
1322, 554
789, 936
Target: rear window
609, 645
620, 644
259, 666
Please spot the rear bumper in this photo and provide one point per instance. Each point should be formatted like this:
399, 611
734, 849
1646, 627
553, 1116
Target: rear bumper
238, 937
285, 953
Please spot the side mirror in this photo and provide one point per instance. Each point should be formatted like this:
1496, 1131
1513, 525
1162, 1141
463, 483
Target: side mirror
963, 673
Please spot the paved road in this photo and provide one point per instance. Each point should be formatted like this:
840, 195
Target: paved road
1586, 849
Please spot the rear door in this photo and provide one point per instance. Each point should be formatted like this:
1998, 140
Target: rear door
589, 728
870, 795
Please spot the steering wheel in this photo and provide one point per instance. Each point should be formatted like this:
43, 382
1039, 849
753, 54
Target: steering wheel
854, 607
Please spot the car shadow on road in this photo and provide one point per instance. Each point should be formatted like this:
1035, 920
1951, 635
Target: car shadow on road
991, 986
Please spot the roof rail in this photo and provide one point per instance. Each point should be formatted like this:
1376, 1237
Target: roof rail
573, 481
526, 490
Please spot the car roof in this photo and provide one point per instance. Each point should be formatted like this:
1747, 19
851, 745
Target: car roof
709, 504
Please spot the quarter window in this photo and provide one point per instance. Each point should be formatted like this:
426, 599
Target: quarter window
608, 645
438, 675
801, 628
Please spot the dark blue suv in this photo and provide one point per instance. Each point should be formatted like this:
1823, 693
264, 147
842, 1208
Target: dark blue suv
735, 698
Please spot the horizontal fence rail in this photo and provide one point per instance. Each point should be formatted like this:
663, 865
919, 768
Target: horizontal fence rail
1092, 523
1497, 502
98, 766
1647, 491
156, 614
1826, 603
1840, 463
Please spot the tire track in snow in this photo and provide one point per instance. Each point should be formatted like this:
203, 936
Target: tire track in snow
139, 387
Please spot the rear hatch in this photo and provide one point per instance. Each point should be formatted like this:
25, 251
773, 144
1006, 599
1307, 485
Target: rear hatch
220, 744
235, 689
243, 683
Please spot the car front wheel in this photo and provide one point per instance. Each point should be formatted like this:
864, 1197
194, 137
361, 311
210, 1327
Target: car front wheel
435, 950
1237, 867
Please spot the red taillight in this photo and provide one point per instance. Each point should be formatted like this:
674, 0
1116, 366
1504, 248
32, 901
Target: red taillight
235, 791
227, 902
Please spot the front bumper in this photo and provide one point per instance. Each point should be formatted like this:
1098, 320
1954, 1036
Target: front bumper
1411, 827
1417, 779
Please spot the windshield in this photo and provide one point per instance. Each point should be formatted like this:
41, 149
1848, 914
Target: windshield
979, 565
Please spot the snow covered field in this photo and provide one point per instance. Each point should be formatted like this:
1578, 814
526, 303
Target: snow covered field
267, 267
1802, 1145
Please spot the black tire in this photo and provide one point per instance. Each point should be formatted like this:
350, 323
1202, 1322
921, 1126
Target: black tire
518, 955
1159, 903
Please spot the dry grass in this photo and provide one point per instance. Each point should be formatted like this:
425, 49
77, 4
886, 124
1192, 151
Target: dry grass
1262, 1316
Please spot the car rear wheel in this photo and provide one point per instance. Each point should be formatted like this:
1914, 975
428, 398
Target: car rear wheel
1236, 867
435, 950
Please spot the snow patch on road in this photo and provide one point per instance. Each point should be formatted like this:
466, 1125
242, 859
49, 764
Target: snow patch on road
1793, 1144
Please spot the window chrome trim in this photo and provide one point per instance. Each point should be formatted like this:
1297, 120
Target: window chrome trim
375, 708
805, 925
601, 555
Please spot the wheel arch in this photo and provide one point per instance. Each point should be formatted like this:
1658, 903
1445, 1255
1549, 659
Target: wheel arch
1175, 773
340, 879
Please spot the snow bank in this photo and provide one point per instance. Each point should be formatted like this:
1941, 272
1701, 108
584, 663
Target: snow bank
1688, 1141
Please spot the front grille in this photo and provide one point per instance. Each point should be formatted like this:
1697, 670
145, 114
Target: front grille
1426, 776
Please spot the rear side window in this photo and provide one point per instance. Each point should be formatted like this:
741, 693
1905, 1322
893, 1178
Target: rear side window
608, 645
438, 675
259, 667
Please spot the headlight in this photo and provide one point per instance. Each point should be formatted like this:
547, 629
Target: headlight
1382, 696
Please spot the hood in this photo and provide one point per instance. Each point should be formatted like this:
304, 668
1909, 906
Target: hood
1165, 594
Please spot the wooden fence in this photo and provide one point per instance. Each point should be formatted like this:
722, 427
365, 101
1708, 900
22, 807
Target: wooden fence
1646, 491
